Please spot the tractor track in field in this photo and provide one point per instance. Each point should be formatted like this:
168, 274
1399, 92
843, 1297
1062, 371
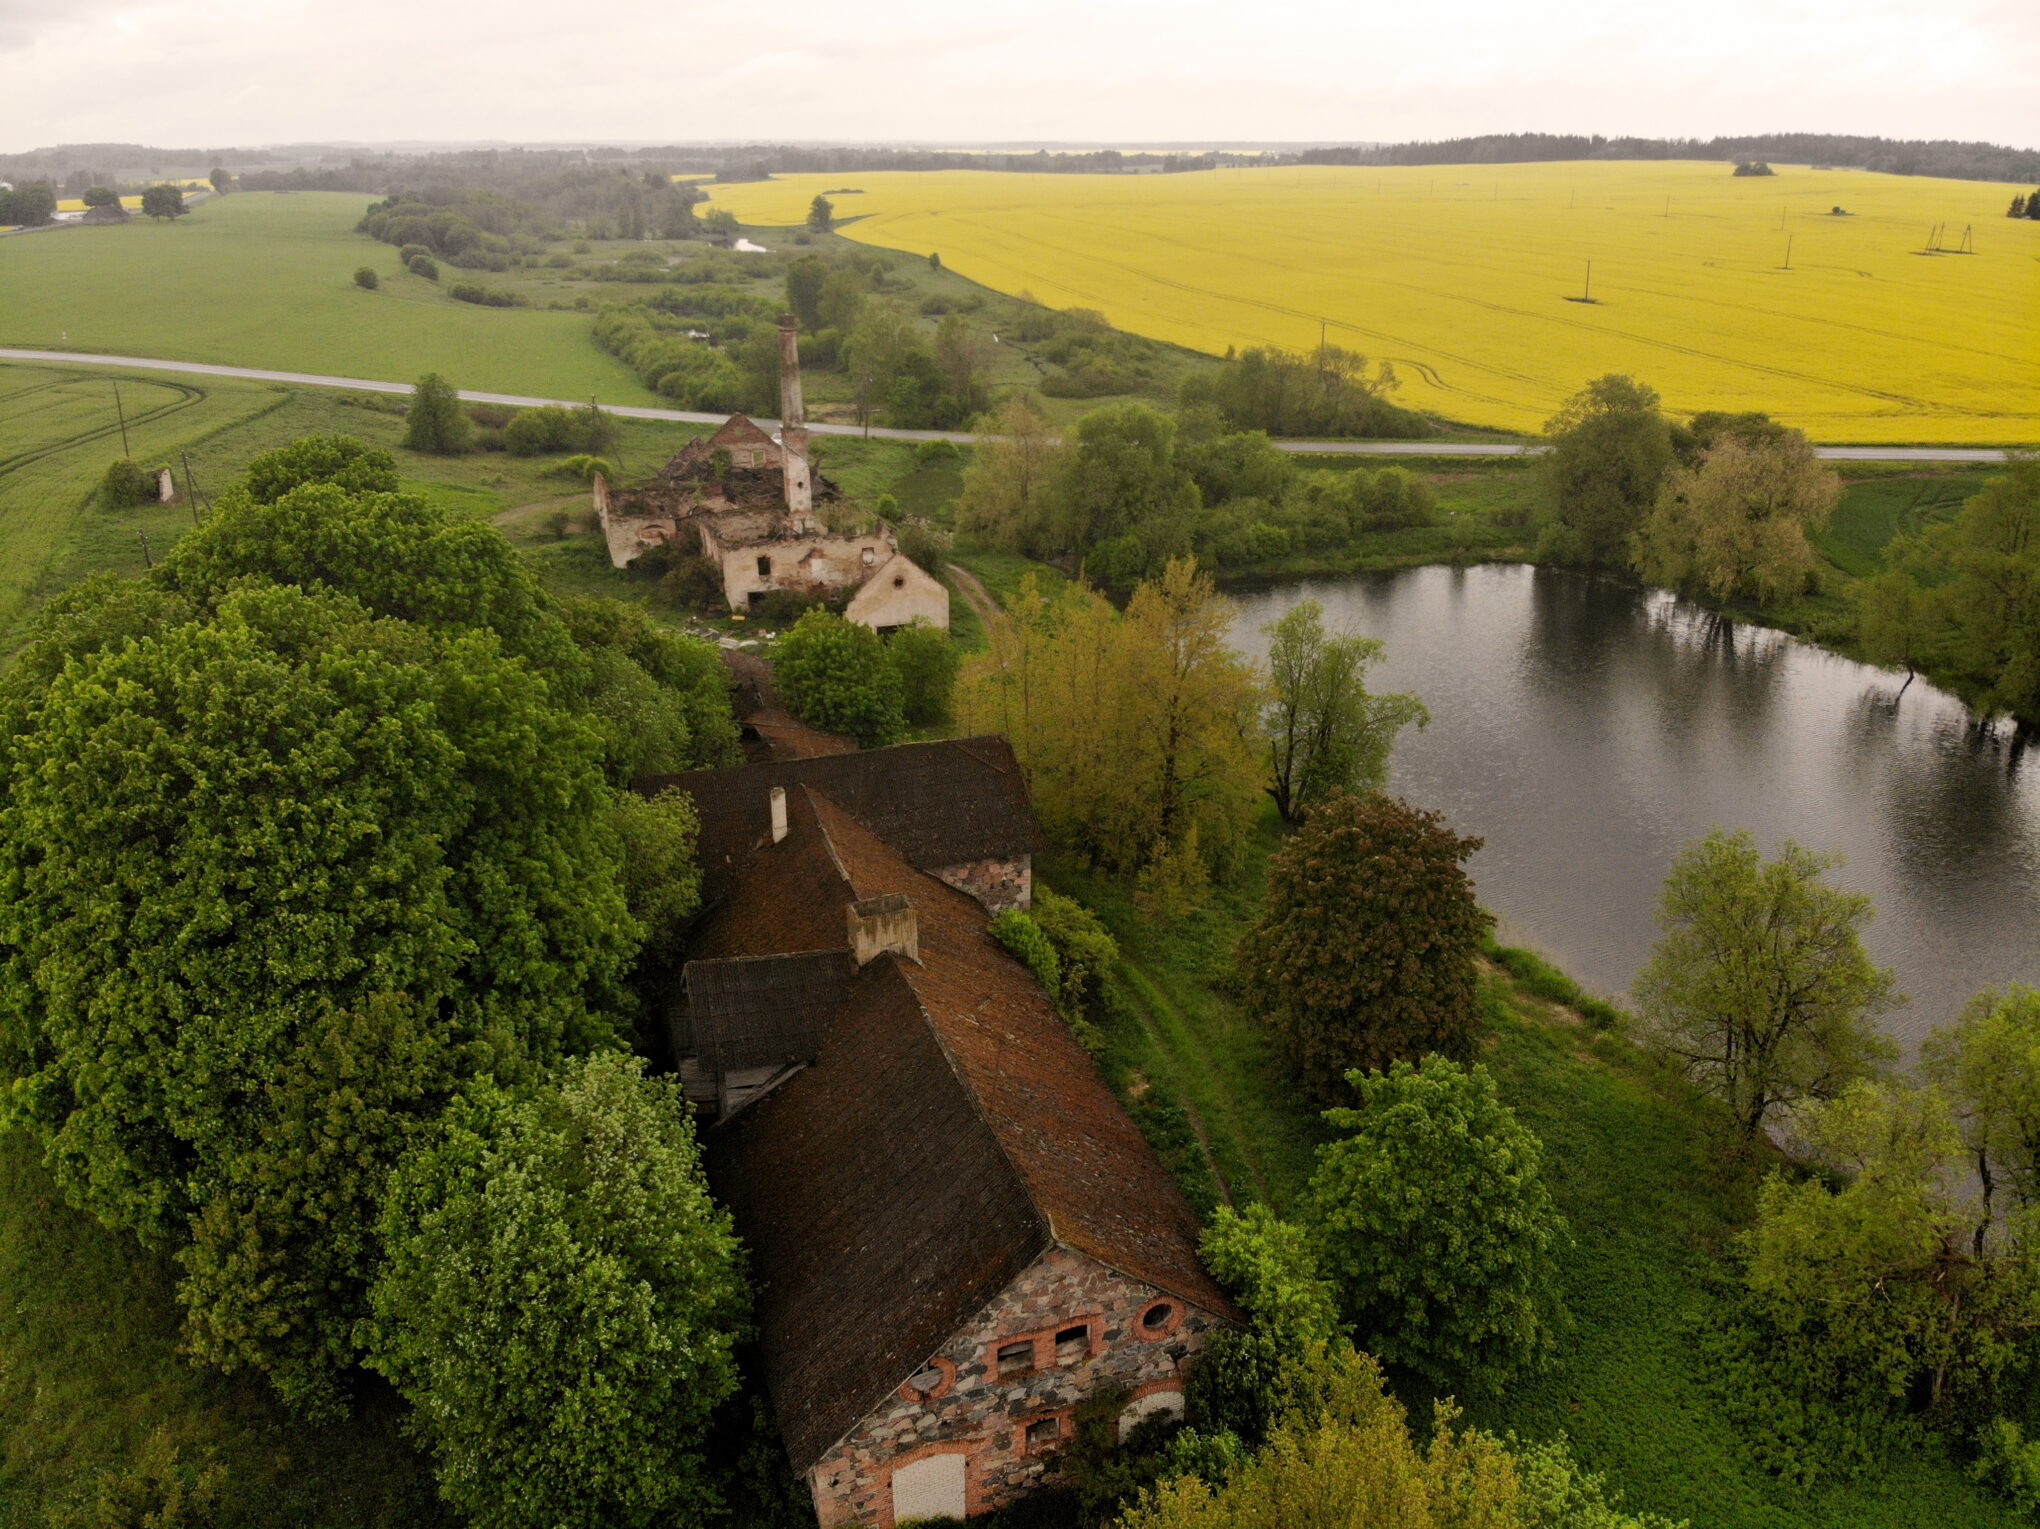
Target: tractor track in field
187, 397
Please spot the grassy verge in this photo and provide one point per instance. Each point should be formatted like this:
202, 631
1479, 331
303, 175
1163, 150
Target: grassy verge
89, 1368
1652, 1216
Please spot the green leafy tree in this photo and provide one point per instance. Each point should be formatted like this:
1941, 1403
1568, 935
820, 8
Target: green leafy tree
1085, 951
366, 279
220, 180
1868, 1291
435, 421
1120, 478
661, 881
1610, 450
1737, 524
1024, 940
1365, 949
1987, 1066
101, 196
562, 1301
821, 215
1896, 615
837, 675
1988, 563
126, 484
1433, 1217
1007, 498
329, 831
1325, 732
804, 278
155, 1490
163, 202
31, 205
1246, 1379
1760, 990
928, 663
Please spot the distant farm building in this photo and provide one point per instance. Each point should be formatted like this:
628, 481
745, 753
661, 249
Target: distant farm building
747, 501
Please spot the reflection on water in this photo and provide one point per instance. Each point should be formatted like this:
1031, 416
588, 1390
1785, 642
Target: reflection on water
1586, 729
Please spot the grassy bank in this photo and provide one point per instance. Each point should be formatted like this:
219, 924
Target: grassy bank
89, 1369
1653, 1217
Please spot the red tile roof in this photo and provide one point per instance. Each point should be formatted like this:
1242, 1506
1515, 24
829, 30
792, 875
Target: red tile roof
949, 1132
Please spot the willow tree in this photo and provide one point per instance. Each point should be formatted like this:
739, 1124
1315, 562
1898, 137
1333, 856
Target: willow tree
1760, 990
1737, 523
1326, 733
1137, 729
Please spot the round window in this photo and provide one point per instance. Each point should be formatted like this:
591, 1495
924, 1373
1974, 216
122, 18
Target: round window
1158, 1319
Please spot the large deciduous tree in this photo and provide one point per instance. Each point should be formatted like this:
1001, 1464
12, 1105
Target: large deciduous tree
1989, 560
1364, 953
1610, 449
1987, 1065
245, 853
1736, 524
1136, 730
561, 1302
1007, 497
297, 833
837, 675
1325, 732
435, 421
1434, 1219
163, 202
1760, 989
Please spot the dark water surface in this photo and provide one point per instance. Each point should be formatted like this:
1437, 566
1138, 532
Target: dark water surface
1586, 729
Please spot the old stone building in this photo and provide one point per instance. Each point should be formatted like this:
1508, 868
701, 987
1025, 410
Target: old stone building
747, 502
957, 1233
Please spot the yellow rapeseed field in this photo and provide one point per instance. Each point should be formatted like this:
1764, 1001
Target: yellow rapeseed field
1464, 276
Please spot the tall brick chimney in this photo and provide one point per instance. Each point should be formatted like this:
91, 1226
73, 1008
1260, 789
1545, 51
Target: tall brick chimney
793, 437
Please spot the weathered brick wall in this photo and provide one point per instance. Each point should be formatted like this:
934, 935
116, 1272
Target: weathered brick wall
972, 1410
998, 884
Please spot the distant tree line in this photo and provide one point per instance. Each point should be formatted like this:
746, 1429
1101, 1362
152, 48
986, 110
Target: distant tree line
1938, 156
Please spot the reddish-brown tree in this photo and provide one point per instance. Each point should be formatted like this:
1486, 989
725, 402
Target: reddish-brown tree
1364, 953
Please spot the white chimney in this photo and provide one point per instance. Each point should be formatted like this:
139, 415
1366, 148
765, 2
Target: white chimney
778, 813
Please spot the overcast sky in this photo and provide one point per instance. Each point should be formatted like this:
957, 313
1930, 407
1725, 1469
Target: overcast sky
198, 73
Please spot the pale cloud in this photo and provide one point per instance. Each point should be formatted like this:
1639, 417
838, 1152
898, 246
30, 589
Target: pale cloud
220, 72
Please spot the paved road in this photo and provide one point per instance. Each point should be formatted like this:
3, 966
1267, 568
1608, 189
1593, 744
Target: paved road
630, 411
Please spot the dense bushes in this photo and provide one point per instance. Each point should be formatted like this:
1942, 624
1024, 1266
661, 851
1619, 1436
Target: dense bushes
693, 374
487, 297
1326, 393
126, 484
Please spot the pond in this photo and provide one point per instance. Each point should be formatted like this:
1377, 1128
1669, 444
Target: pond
1586, 729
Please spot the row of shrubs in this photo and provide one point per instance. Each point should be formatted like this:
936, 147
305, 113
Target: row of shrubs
692, 373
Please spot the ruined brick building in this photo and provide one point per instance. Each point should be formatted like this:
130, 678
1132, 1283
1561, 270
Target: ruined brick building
956, 1232
747, 502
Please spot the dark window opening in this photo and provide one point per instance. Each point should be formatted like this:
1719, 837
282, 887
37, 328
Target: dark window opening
755, 596
1073, 1343
1156, 1317
764, 567
1043, 1431
899, 581
1016, 1358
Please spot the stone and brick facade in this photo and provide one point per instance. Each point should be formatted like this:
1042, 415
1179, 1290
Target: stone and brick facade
1086, 1327
1001, 883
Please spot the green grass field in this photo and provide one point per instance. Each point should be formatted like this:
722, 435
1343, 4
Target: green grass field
267, 280
89, 1368
1651, 1215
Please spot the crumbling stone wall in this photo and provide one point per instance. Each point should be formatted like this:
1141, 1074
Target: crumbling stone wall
999, 885
1135, 1337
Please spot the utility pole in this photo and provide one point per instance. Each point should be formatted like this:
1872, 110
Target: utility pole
147, 561
190, 487
117, 409
1788, 250
1588, 295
